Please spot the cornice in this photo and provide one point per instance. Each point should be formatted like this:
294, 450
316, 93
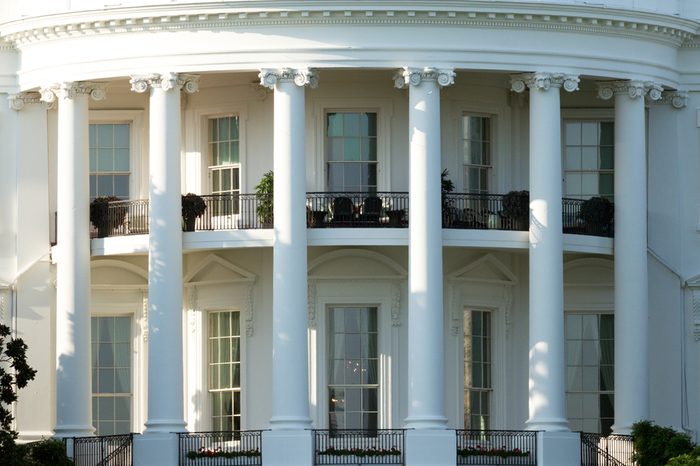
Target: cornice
252, 13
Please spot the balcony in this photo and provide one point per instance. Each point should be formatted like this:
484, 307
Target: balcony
356, 210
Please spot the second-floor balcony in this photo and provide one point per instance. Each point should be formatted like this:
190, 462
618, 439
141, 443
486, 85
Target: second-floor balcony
360, 210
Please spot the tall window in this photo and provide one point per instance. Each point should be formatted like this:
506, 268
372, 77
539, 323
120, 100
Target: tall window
589, 158
225, 369
590, 371
111, 375
351, 151
109, 160
476, 135
224, 150
477, 369
353, 381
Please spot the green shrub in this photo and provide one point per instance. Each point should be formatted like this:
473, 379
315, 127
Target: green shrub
655, 445
49, 452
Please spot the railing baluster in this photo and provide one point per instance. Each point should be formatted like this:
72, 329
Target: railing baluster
502, 447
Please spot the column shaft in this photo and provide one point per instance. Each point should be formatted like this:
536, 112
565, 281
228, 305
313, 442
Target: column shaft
165, 357
73, 385
631, 299
290, 390
425, 300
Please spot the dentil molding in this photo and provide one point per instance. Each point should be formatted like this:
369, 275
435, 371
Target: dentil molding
230, 15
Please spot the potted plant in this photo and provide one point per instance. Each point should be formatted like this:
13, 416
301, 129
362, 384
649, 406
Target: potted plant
597, 214
264, 193
446, 187
101, 217
193, 207
516, 208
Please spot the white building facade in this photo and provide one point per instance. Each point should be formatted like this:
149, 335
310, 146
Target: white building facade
377, 300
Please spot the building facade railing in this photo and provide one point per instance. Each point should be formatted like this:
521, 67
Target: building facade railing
236, 448
497, 447
610, 450
109, 450
350, 446
362, 210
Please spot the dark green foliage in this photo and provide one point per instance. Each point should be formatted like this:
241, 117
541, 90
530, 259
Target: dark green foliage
597, 212
49, 452
100, 215
686, 459
193, 206
655, 445
516, 205
264, 192
15, 373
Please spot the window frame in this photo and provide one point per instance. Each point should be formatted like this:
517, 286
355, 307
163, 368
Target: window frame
490, 168
138, 167
484, 389
326, 139
317, 172
591, 115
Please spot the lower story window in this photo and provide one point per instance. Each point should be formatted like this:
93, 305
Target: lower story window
111, 375
477, 369
353, 382
590, 372
225, 370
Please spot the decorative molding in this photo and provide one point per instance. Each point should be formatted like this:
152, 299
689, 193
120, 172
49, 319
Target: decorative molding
693, 284
166, 81
18, 101
455, 304
259, 91
407, 76
311, 303
481, 14
676, 99
70, 90
508, 308
192, 304
144, 318
544, 81
301, 77
634, 89
248, 311
396, 305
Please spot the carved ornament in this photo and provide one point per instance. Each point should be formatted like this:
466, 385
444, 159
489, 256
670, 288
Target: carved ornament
18, 101
407, 76
301, 77
633, 89
167, 81
70, 90
544, 82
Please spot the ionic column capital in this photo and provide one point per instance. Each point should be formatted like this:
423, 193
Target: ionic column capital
633, 89
18, 101
544, 81
407, 76
676, 99
70, 90
166, 81
301, 77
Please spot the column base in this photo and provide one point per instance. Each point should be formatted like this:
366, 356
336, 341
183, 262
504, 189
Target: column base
430, 447
165, 426
290, 423
69, 431
548, 424
156, 448
622, 428
288, 447
558, 449
426, 422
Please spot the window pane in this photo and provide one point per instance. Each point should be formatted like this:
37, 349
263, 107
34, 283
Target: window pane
105, 136
589, 133
335, 124
121, 186
105, 160
121, 136
572, 133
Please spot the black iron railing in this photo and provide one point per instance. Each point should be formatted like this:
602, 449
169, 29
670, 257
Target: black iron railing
110, 450
357, 210
239, 448
354, 210
346, 446
501, 447
611, 450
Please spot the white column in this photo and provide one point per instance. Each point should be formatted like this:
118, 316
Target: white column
290, 440
165, 357
547, 382
73, 384
290, 387
631, 283
426, 404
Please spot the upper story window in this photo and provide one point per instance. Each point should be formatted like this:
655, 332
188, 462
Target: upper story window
478, 388
589, 159
476, 139
109, 147
351, 151
225, 166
